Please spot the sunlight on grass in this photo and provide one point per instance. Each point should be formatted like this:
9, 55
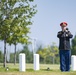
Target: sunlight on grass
53, 70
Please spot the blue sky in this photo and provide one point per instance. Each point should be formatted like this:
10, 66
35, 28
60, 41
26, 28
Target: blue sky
50, 14
46, 22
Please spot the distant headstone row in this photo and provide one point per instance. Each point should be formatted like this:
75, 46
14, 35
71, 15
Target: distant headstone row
22, 62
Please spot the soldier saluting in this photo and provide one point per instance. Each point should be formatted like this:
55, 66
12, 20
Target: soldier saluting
64, 47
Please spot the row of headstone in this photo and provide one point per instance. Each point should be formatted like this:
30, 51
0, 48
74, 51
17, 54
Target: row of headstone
22, 62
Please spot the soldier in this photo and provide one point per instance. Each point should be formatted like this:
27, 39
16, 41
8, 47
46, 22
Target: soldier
64, 47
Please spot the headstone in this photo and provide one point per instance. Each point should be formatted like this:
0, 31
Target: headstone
36, 61
73, 63
22, 62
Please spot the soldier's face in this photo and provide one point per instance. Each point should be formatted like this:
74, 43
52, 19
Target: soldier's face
63, 27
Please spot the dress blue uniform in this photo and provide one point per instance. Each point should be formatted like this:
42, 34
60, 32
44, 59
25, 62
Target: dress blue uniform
64, 49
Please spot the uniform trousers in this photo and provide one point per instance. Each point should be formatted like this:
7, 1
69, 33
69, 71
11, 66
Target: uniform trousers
65, 60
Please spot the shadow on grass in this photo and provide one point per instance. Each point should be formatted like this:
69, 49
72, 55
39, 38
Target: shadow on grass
27, 70
8, 69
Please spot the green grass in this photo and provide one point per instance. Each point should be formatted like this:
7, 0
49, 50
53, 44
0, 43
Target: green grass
14, 70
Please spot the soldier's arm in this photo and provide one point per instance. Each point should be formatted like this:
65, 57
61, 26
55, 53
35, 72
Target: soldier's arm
59, 35
69, 35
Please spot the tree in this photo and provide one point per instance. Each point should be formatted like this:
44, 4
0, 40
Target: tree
1, 57
15, 21
74, 45
48, 53
43, 53
53, 51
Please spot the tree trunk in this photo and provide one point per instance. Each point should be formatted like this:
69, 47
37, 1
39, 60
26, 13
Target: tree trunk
4, 65
53, 60
15, 55
45, 60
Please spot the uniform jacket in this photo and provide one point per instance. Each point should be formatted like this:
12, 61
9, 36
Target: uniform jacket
64, 40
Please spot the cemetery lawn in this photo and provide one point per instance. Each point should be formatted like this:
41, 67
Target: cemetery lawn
45, 69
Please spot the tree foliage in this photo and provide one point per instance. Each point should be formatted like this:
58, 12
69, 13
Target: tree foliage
74, 45
48, 54
28, 53
15, 18
1, 57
